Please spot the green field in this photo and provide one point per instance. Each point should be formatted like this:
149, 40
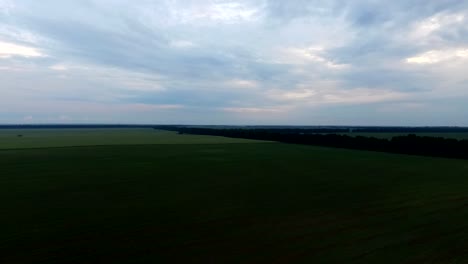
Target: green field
213, 202
40, 138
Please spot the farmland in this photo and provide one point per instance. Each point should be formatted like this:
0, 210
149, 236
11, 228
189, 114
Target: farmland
144, 196
40, 138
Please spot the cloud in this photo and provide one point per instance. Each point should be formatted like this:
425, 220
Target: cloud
243, 84
249, 110
182, 44
59, 67
338, 96
310, 55
233, 61
436, 56
8, 50
403, 107
6, 6
439, 23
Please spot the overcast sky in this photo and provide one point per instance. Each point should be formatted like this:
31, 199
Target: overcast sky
297, 62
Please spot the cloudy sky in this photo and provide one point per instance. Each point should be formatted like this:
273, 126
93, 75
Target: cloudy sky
298, 62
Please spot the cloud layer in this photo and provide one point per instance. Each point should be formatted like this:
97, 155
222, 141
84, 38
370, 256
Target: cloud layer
360, 62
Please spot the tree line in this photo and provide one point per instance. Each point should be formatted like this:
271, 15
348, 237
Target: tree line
409, 144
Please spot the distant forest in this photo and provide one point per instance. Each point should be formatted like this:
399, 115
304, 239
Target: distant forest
279, 129
327, 137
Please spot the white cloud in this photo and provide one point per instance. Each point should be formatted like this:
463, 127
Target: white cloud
150, 107
64, 118
301, 56
438, 22
59, 67
298, 94
336, 95
436, 56
362, 96
402, 107
232, 11
225, 12
182, 44
240, 83
111, 76
251, 110
6, 6
8, 50
116, 57
80, 108
75, 82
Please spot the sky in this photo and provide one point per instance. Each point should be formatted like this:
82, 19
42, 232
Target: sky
246, 62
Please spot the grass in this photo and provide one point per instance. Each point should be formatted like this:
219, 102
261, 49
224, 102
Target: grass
230, 203
40, 138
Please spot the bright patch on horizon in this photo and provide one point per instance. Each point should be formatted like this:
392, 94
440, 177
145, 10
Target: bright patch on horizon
436, 56
8, 50
330, 95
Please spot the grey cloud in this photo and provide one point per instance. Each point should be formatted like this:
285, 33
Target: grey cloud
370, 39
286, 10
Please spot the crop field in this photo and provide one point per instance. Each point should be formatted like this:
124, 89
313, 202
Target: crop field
131, 197
40, 138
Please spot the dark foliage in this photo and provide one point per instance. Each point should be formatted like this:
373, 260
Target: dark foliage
410, 144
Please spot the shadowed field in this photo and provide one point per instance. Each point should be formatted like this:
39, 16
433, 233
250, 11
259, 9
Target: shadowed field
40, 138
230, 203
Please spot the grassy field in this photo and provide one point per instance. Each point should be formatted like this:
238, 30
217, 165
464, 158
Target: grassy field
40, 138
228, 203
390, 135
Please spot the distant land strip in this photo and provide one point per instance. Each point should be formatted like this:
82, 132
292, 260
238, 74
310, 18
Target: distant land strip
410, 144
272, 128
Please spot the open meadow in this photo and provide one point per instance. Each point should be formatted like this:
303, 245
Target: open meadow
46, 138
145, 196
